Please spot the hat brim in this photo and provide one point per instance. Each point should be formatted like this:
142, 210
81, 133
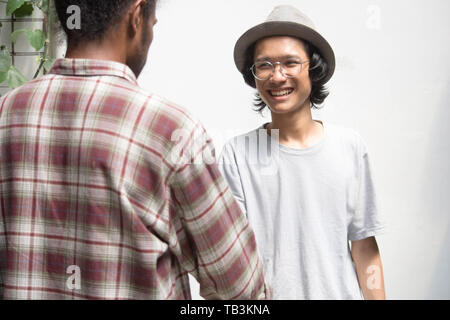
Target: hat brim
281, 28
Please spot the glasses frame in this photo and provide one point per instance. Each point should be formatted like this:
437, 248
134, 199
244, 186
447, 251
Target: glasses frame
273, 64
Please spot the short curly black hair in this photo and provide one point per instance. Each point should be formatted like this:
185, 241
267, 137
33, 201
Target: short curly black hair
97, 16
317, 73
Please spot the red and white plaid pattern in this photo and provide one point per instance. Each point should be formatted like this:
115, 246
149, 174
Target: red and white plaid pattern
87, 179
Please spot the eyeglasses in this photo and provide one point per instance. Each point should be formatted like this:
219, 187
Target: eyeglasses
264, 70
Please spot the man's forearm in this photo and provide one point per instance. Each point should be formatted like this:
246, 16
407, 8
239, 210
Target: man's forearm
369, 268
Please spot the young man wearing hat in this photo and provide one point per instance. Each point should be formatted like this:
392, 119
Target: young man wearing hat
305, 185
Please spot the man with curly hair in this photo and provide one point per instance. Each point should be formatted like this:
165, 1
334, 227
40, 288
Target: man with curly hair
97, 200
305, 185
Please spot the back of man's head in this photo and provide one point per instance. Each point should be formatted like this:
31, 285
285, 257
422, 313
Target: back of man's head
97, 17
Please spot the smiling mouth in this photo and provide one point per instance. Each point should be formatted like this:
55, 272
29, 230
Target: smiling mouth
280, 93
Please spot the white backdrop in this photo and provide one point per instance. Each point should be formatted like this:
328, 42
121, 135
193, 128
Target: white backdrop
391, 85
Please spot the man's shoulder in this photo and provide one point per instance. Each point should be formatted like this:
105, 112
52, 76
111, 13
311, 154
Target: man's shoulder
25, 92
343, 132
25, 86
245, 138
346, 136
166, 112
169, 112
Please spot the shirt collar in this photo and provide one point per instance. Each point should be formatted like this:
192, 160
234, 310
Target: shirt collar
90, 68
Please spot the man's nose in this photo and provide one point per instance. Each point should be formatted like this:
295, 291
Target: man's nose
278, 73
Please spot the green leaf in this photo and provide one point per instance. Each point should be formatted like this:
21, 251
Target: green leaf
25, 10
36, 39
3, 76
48, 64
13, 5
16, 34
15, 78
5, 60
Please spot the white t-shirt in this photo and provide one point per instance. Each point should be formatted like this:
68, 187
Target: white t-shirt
305, 205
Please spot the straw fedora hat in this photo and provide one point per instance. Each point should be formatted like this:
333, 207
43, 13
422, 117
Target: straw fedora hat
285, 21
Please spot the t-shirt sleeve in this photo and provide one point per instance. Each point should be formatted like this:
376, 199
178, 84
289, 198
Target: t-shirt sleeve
366, 220
228, 167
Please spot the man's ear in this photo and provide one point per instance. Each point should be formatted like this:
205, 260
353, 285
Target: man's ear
135, 16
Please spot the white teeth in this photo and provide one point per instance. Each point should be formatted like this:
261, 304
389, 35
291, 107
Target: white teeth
280, 93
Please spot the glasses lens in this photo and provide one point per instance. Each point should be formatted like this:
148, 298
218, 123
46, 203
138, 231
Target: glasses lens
262, 70
292, 68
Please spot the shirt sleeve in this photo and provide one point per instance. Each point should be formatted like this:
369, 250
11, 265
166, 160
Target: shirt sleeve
366, 220
222, 253
228, 167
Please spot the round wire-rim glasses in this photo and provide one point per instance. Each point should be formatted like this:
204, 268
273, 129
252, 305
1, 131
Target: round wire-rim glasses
264, 70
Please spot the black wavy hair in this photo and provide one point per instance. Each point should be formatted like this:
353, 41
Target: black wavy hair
97, 16
317, 73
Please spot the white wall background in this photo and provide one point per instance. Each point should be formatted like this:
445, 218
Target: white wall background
391, 85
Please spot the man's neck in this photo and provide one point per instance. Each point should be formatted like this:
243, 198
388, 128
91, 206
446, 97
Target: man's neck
104, 50
298, 129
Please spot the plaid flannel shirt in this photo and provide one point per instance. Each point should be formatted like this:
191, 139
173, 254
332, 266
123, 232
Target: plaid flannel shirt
104, 195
